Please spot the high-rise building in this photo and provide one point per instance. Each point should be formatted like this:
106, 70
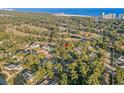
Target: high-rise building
108, 16
102, 15
111, 16
121, 16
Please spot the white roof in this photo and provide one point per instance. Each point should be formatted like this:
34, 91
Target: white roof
121, 58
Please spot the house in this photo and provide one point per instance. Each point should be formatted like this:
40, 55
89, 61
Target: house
78, 50
17, 57
2, 54
84, 39
27, 75
120, 61
13, 66
23, 51
47, 81
1, 42
122, 67
93, 55
109, 68
44, 47
26, 51
35, 45
48, 47
43, 61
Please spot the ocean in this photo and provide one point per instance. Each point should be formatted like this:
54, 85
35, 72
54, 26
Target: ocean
74, 11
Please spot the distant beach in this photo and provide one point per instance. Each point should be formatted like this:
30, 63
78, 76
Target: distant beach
69, 15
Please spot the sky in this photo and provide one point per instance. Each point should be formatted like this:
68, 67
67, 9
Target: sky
61, 3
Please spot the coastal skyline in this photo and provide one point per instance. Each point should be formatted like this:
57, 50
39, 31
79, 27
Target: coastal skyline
72, 11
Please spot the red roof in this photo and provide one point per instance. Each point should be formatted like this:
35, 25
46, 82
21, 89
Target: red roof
66, 45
